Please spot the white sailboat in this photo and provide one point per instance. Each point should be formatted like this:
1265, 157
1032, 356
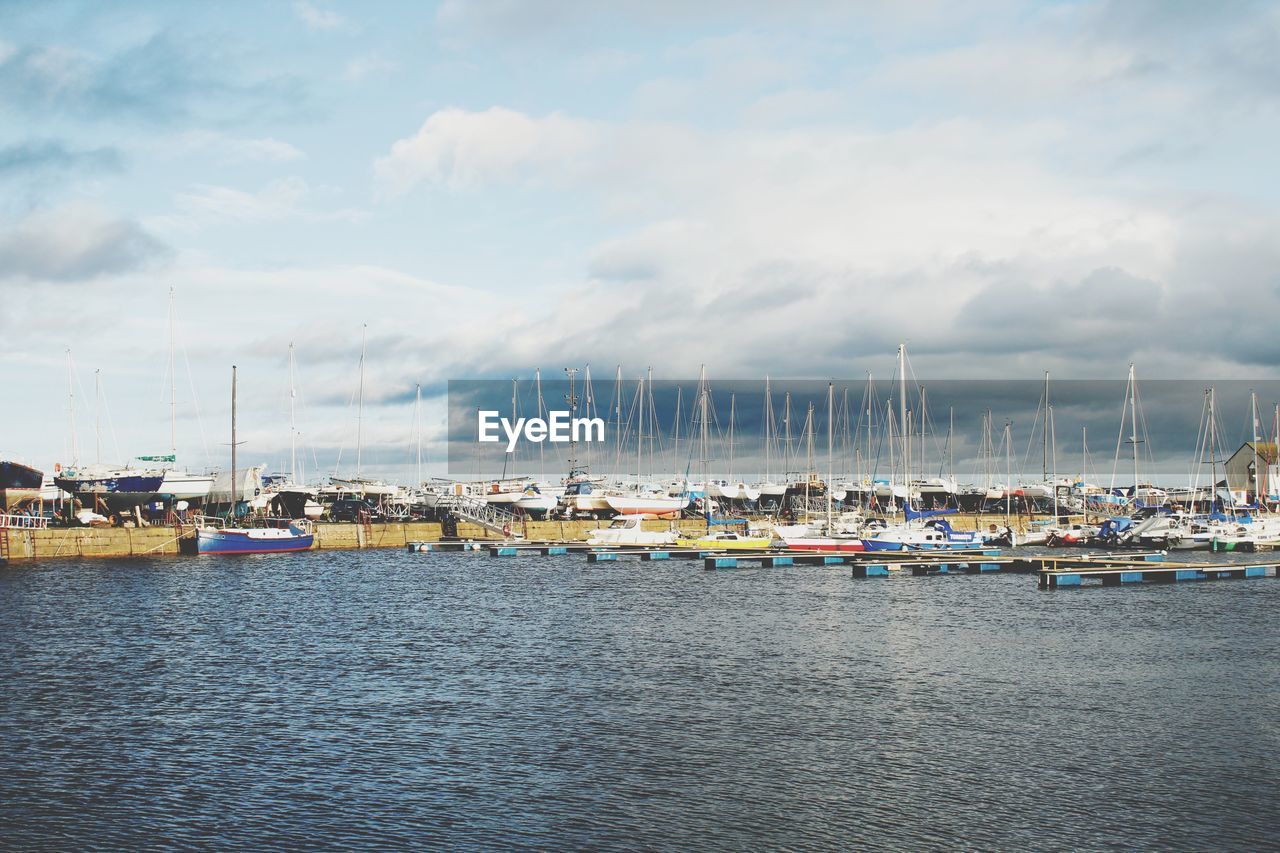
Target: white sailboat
644, 497
368, 487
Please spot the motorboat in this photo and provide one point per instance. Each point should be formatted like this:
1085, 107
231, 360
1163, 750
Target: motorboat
727, 540
628, 530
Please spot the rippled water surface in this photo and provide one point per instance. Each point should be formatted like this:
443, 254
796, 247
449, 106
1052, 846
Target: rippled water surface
466, 701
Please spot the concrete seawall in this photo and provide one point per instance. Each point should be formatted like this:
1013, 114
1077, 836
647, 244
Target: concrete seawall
88, 542
54, 543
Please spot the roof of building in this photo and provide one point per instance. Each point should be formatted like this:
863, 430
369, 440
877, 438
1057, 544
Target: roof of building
1267, 451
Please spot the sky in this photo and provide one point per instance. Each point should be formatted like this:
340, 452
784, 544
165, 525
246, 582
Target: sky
479, 189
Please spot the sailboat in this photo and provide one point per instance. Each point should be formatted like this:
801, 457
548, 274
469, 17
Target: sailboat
212, 538
645, 498
289, 497
180, 485
115, 487
717, 539
831, 533
366, 486
767, 489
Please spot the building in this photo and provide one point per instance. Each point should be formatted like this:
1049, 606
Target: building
1240, 468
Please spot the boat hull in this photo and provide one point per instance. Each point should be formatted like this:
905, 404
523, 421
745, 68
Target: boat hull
758, 543
654, 507
821, 543
115, 490
18, 483
896, 545
234, 542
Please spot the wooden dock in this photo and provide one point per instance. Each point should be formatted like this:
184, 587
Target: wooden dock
1117, 573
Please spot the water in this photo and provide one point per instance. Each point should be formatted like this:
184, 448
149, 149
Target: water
394, 699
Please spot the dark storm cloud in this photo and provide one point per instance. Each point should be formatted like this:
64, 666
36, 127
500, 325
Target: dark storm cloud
1169, 424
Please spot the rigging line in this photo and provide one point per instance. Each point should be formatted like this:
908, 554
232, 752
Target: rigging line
1031, 436
342, 445
195, 405
106, 407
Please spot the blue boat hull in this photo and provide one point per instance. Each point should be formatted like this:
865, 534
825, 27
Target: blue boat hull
876, 545
231, 542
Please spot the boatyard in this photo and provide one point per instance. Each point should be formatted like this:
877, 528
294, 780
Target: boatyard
544, 425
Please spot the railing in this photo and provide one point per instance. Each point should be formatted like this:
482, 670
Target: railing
18, 521
479, 511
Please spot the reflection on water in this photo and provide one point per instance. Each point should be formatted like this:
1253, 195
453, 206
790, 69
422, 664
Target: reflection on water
455, 699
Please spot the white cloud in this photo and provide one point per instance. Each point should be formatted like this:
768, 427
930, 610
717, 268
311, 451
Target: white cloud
233, 149
363, 67
280, 199
316, 18
457, 148
75, 242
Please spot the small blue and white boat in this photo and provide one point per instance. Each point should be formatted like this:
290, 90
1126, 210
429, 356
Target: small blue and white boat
211, 539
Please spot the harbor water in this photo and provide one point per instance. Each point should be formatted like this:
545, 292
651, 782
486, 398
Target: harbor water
455, 700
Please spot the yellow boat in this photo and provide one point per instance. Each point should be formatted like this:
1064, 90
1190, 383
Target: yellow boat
727, 541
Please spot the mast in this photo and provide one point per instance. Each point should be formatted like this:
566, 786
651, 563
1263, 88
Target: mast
1133, 434
1008, 472
733, 406
234, 491
293, 427
542, 461
364, 332
71, 408
1213, 452
951, 448
1084, 480
1054, 456
417, 420
830, 416
871, 402
640, 431
786, 424
572, 400
653, 417
510, 457
173, 373
902, 412
97, 415
589, 403
617, 433
1253, 419
702, 404
1044, 449
768, 430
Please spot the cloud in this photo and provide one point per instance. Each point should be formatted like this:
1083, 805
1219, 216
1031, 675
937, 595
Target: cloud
316, 18
163, 78
75, 242
363, 67
233, 149
458, 148
45, 155
282, 198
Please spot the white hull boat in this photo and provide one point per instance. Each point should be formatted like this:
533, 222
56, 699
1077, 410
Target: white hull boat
629, 532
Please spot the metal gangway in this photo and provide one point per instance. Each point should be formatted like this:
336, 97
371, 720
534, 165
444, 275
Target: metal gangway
479, 511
